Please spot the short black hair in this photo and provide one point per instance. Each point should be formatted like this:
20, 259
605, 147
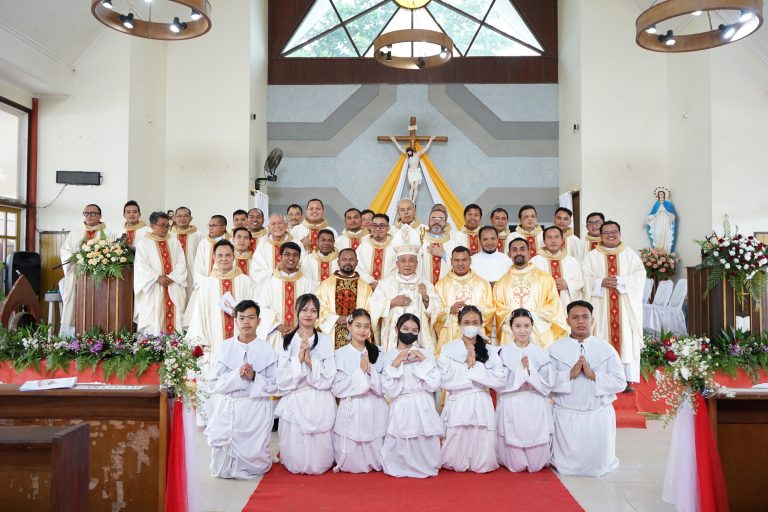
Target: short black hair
579, 304
609, 223
314, 199
502, 210
220, 218
241, 228
460, 248
183, 208
257, 209
155, 216
222, 243
526, 207
95, 206
486, 228
367, 211
515, 240
290, 245
473, 206
326, 231
381, 216
131, 203
239, 212
292, 206
353, 209
564, 209
348, 249
245, 305
596, 214
544, 233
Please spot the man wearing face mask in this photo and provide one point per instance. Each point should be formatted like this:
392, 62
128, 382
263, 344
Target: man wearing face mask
489, 263
525, 286
404, 291
461, 287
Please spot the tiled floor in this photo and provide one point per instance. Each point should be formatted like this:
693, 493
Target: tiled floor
634, 487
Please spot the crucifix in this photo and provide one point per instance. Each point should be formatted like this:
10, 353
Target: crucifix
414, 157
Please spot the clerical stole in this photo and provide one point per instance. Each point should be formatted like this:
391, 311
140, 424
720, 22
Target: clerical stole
276, 255
130, 236
169, 313
503, 237
244, 262
313, 234
378, 263
325, 270
555, 269
346, 302
474, 243
614, 303
436, 262
227, 322
532, 248
182, 238
90, 235
289, 301
255, 239
594, 241
354, 243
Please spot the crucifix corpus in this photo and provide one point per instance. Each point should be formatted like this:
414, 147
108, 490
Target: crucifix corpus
414, 157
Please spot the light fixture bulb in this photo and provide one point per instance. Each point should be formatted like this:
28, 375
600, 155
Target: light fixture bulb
745, 16
696, 13
107, 4
443, 52
127, 20
668, 38
651, 29
176, 25
670, 42
195, 15
728, 31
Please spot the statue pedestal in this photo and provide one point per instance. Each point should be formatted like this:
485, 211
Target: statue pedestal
108, 306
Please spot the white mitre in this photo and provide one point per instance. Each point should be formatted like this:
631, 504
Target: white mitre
406, 241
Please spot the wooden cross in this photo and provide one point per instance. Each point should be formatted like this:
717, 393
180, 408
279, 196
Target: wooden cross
411, 138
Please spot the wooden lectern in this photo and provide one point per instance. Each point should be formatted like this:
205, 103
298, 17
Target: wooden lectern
709, 317
108, 306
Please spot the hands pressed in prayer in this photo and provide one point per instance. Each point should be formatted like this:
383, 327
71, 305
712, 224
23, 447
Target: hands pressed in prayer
576, 370
562, 286
246, 371
365, 363
471, 357
524, 362
610, 282
305, 354
400, 358
586, 369
457, 306
400, 301
164, 281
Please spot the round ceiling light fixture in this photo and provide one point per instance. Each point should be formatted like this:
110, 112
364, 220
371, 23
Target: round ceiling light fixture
398, 49
197, 23
412, 4
749, 18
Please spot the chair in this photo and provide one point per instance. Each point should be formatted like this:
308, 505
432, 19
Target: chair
647, 290
651, 320
663, 293
671, 317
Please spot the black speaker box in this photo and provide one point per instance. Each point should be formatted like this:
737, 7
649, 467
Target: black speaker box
78, 178
22, 263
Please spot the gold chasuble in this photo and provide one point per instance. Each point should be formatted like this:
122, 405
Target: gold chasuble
255, 237
534, 237
340, 295
534, 290
131, 232
469, 289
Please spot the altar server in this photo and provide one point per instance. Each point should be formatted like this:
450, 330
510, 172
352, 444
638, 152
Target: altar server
468, 367
412, 444
240, 429
361, 420
523, 414
588, 374
305, 371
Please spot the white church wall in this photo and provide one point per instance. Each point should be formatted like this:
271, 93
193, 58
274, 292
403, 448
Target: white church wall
569, 78
258, 126
15, 94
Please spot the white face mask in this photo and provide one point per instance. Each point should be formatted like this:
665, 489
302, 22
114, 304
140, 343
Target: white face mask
470, 331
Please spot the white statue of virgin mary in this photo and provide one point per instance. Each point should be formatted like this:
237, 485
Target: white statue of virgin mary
662, 222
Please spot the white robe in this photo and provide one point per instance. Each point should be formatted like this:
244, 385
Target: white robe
70, 247
389, 288
203, 264
192, 242
240, 429
490, 266
149, 295
470, 439
307, 410
523, 413
412, 444
138, 234
631, 282
266, 252
300, 231
271, 295
570, 270
361, 420
365, 264
576, 248
427, 270
310, 266
344, 240
461, 237
584, 441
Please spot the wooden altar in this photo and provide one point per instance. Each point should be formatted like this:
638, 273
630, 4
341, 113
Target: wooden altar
709, 317
108, 306
128, 441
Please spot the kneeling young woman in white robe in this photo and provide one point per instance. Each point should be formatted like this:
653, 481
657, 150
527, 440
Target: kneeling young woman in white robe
361, 421
468, 367
412, 445
523, 413
240, 429
305, 371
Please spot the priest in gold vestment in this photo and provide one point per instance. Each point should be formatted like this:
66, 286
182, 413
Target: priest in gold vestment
525, 286
461, 287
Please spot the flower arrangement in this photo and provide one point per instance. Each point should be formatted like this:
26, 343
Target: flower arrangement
102, 258
688, 370
658, 265
743, 261
119, 353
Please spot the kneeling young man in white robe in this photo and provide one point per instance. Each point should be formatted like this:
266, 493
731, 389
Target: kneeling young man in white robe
243, 375
469, 366
361, 420
588, 374
523, 414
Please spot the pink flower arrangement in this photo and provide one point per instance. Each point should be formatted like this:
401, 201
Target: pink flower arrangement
658, 265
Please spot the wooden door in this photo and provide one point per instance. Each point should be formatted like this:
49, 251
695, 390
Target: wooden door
50, 244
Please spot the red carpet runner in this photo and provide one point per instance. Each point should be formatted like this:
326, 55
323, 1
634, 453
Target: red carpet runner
281, 491
628, 411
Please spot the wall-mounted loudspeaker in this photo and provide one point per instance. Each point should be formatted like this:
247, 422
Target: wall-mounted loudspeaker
78, 178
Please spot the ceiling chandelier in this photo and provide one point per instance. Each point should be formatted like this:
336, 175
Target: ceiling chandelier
168, 22
413, 48
722, 22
